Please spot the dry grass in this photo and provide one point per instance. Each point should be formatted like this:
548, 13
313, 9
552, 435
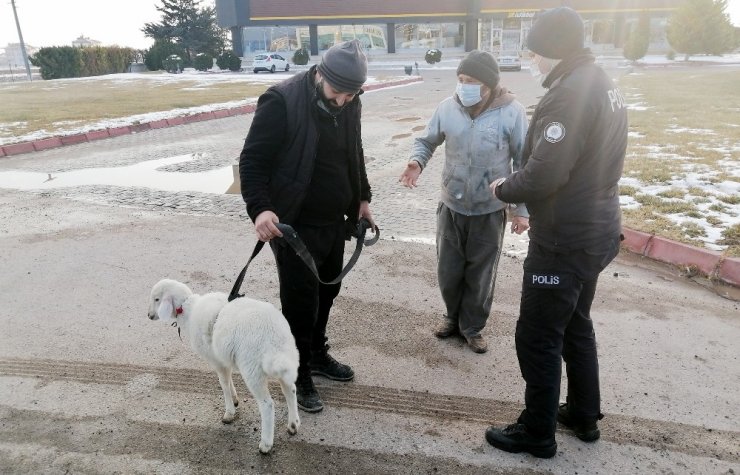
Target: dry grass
59, 104
689, 126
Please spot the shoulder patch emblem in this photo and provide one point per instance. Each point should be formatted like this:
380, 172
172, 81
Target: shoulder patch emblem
554, 132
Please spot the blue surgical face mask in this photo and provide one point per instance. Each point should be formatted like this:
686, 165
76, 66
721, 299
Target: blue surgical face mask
469, 94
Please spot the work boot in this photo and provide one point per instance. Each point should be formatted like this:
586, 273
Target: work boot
446, 329
477, 343
586, 430
516, 438
323, 364
306, 394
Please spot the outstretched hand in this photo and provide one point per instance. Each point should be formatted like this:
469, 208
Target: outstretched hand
410, 174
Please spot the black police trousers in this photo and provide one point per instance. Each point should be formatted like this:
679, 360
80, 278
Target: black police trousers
555, 322
305, 301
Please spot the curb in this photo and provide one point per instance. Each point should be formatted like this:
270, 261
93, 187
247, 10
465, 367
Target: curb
90, 136
708, 263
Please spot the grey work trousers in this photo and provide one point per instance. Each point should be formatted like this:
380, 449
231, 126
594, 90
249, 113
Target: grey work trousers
468, 250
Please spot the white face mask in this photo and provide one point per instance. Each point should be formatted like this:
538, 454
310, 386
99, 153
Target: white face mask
541, 67
469, 94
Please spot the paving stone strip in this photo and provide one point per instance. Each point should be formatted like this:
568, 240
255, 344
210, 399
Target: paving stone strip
620, 429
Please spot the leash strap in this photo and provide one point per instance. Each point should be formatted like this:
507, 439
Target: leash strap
295, 242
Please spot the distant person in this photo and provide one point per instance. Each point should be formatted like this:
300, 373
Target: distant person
303, 164
574, 155
483, 127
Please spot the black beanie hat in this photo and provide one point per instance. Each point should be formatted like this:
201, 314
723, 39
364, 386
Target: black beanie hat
482, 66
556, 33
344, 66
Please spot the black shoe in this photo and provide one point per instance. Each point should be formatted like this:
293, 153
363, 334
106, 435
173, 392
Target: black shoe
323, 364
515, 438
587, 431
306, 394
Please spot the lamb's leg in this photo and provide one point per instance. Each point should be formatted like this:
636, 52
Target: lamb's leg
234, 396
294, 421
258, 388
227, 386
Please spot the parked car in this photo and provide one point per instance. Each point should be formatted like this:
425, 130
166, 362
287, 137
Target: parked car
509, 61
269, 62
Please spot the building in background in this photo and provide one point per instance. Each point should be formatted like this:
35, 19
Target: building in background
493, 25
85, 42
12, 57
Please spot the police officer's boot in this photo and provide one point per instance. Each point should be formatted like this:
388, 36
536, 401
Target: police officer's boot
586, 430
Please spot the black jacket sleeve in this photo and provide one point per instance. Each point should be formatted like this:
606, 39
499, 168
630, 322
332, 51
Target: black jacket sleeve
558, 142
365, 191
263, 143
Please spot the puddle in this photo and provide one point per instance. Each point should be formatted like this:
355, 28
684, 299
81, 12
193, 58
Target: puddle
144, 174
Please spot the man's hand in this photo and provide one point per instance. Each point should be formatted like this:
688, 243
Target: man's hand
410, 174
519, 224
495, 184
365, 213
265, 227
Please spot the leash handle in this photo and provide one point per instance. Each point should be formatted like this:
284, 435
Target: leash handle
292, 238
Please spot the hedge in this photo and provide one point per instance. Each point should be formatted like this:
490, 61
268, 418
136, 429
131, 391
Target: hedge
70, 62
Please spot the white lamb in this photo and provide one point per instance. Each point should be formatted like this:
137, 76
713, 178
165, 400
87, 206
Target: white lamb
244, 335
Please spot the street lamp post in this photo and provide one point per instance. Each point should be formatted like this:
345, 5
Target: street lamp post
23, 45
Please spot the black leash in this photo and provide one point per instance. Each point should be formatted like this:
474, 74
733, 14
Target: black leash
292, 238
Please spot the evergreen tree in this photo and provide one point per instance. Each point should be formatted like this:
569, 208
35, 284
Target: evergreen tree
639, 39
701, 27
190, 27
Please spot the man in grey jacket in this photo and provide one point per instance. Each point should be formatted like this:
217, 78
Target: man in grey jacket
483, 127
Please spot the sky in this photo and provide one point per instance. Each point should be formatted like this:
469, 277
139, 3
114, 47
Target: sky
59, 22
112, 22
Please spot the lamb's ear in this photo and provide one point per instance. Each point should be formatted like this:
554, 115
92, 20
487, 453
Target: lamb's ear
165, 312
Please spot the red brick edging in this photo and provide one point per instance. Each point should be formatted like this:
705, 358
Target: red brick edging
709, 263
53, 142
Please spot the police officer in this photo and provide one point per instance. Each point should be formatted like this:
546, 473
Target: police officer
574, 154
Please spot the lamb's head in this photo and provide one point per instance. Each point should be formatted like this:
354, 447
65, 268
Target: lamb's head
167, 297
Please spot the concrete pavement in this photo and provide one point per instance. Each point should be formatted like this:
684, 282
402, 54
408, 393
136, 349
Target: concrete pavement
88, 384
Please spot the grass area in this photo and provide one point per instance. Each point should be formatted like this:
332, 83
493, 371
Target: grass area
63, 104
684, 146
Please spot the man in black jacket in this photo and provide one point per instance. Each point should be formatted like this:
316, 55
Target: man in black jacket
303, 164
574, 154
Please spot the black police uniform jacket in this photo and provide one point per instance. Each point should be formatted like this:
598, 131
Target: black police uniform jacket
573, 159
277, 161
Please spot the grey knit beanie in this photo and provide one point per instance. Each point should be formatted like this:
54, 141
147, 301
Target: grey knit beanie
344, 66
482, 66
556, 33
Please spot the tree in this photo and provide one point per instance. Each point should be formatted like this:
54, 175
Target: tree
639, 39
161, 49
186, 25
701, 26
228, 60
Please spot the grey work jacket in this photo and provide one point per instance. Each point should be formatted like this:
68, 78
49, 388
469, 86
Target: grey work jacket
477, 151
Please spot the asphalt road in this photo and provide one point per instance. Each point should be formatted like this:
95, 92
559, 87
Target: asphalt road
89, 385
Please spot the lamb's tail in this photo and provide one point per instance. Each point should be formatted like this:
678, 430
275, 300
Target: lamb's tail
281, 366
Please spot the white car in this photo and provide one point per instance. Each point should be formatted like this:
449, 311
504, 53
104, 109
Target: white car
269, 62
509, 60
